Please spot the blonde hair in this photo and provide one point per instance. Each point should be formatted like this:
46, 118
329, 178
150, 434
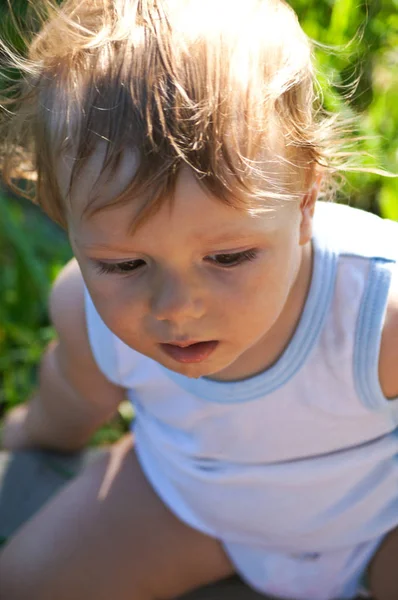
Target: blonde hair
223, 86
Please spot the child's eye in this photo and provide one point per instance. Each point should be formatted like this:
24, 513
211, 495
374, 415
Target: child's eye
233, 259
119, 268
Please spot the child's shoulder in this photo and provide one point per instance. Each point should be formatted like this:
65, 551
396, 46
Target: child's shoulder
68, 316
67, 304
76, 353
352, 231
388, 360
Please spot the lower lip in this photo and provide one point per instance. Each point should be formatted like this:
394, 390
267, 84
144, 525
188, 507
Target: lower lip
195, 353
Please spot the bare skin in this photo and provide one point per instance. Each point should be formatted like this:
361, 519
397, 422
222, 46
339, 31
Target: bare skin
109, 512
108, 535
382, 571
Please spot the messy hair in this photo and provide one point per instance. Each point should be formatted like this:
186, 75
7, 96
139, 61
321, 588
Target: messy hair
225, 87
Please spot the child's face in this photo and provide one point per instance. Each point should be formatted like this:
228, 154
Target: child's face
196, 271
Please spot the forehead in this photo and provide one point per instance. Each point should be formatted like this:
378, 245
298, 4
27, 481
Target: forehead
192, 208
93, 184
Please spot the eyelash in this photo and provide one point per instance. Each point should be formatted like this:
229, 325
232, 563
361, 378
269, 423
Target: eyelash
238, 258
111, 268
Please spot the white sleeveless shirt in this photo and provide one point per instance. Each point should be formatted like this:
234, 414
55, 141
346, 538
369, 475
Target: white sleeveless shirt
304, 456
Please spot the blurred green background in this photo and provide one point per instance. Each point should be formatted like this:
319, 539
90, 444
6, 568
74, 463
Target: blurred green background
360, 40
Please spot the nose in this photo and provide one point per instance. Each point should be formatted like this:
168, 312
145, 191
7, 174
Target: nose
175, 299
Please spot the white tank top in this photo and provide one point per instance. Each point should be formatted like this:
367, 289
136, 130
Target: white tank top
304, 456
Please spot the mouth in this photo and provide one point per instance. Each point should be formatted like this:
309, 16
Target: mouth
189, 352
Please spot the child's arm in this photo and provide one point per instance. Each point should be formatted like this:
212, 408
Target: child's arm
74, 398
388, 362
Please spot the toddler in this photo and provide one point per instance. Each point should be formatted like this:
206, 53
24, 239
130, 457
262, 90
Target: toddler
253, 327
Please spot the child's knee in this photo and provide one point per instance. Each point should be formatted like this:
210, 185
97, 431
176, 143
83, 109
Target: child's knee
35, 580
21, 575
383, 581
108, 535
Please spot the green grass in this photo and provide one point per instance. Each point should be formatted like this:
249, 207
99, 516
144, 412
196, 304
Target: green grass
32, 252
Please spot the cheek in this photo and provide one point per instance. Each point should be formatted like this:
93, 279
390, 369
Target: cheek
273, 276
111, 291
118, 307
261, 298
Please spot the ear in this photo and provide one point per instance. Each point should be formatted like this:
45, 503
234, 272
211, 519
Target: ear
307, 207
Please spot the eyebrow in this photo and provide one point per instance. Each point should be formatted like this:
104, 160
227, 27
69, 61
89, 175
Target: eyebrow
235, 237
227, 237
99, 246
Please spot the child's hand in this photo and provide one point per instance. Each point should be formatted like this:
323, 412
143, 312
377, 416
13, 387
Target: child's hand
14, 435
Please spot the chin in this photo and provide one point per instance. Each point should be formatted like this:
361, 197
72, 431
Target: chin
192, 370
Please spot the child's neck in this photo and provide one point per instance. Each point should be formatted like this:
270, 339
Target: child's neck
264, 354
